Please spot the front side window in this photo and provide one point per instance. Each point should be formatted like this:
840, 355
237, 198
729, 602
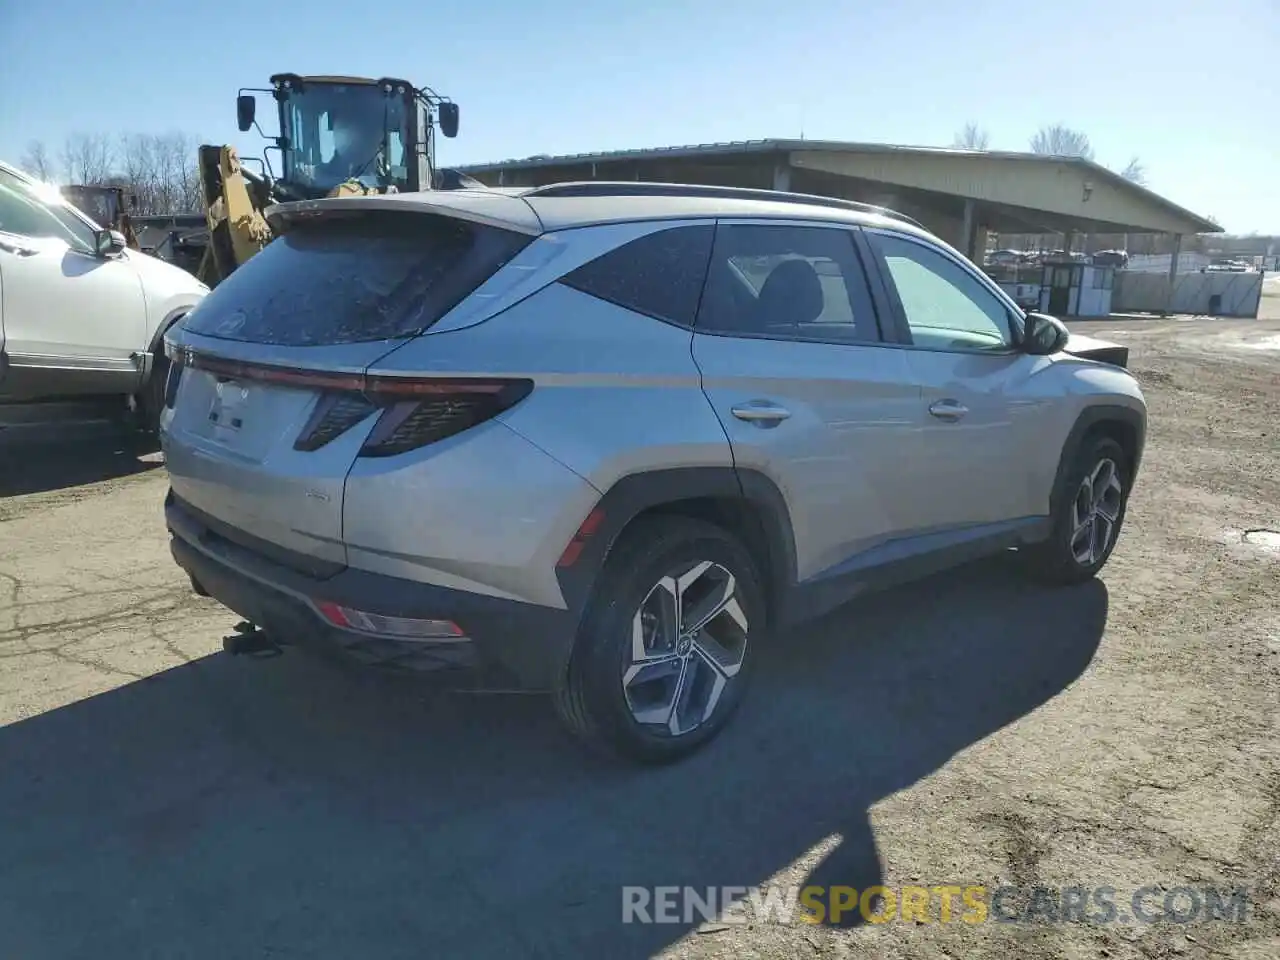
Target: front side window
27, 211
787, 282
945, 306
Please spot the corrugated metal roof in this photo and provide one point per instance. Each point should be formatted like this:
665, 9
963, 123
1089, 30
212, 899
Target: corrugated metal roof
834, 146
741, 146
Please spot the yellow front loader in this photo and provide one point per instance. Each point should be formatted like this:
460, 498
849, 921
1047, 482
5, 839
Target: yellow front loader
338, 136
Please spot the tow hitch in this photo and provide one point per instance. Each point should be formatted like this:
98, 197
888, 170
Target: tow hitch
249, 640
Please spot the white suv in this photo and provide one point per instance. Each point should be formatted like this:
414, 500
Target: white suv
80, 315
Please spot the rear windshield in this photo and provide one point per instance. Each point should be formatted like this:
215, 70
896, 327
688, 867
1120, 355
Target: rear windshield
341, 280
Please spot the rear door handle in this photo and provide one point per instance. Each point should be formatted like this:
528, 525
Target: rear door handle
949, 410
760, 411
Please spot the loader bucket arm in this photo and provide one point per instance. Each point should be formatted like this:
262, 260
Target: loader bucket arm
237, 229
130, 235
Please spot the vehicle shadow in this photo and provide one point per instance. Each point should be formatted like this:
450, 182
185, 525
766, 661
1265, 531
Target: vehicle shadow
232, 808
71, 460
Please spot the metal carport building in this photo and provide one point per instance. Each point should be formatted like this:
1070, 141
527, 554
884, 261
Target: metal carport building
959, 194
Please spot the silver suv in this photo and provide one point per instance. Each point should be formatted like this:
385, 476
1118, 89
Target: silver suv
599, 439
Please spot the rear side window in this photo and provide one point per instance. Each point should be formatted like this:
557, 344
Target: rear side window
789, 283
659, 274
334, 280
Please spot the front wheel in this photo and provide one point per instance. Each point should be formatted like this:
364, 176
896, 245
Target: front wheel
151, 397
665, 650
1087, 523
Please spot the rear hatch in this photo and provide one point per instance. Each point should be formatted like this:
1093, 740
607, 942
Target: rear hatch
269, 401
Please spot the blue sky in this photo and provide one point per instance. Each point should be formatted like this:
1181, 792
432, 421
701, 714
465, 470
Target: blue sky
1193, 88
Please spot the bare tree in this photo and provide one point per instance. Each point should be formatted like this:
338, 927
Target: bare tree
37, 162
137, 169
1136, 172
87, 158
1061, 141
160, 170
176, 164
972, 137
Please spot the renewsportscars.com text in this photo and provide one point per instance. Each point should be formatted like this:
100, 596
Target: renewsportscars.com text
944, 903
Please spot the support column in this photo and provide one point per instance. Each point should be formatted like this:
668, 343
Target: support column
967, 229
782, 175
981, 239
1173, 258
1173, 270
973, 236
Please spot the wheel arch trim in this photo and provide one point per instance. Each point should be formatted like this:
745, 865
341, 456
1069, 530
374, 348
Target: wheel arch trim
637, 493
1089, 419
165, 325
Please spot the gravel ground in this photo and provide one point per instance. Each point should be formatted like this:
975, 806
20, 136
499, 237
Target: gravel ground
161, 799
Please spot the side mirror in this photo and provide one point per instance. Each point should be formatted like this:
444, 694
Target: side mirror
449, 119
108, 242
1043, 335
246, 110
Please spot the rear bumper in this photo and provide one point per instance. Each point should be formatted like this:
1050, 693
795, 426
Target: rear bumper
510, 643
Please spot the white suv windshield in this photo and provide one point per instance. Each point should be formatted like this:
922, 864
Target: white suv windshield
31, 210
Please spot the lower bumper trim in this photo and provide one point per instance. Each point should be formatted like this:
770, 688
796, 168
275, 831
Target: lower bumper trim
505, 644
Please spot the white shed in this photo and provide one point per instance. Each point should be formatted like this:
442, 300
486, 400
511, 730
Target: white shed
1077, 289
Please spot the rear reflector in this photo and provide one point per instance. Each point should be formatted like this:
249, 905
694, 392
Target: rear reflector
586, 530
399, 628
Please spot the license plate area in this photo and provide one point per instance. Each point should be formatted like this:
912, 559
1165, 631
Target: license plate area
227, 409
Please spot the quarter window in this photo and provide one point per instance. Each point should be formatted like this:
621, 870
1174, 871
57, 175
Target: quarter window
660, 274
945, 306
796, 283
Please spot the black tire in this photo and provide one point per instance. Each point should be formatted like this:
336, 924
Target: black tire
151, 397
590, 698
1056, 561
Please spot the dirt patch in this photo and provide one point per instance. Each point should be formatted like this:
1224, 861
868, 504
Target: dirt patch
1263, 539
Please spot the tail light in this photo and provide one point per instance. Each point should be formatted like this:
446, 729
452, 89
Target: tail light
334, 415
411, 412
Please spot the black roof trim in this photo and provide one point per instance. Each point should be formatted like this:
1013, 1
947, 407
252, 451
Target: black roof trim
641, 188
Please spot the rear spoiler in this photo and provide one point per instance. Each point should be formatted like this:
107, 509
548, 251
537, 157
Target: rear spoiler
485, 207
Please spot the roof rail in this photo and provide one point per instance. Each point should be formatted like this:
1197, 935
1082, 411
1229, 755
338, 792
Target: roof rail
644, 188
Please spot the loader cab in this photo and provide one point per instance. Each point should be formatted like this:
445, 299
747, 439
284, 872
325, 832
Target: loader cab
333, 130
109, 207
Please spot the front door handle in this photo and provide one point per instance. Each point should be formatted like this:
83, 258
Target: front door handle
761, 412
949, 410
19, 249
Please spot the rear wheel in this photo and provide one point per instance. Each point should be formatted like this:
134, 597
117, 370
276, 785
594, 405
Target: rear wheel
1089, 517
664, 653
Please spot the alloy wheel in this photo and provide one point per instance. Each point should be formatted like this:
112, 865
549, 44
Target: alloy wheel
1096, 512
688, 644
